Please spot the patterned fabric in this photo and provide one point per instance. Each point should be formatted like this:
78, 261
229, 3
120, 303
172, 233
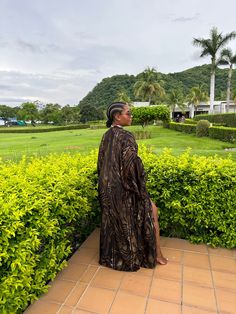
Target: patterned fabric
127, 238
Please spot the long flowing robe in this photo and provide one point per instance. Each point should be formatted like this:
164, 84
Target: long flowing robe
127, 237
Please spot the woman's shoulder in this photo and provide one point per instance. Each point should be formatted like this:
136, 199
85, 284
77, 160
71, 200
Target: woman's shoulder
126, 132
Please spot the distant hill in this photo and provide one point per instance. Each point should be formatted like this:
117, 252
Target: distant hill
106, 91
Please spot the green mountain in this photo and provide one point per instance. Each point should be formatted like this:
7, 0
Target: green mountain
106, 91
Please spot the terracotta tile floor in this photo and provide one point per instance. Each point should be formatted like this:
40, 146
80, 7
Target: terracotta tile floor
197, 280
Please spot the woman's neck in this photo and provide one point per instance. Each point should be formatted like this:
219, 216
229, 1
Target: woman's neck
115, 124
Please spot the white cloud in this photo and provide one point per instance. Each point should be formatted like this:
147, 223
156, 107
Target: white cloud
57, 51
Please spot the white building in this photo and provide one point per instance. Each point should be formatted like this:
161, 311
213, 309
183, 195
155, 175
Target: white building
137, 104
219, 107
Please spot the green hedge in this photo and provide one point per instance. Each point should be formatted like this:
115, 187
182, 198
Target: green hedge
195, 195
40, 130
183, 127
47, 207
190, 121
223, 133
227, 119
145, 115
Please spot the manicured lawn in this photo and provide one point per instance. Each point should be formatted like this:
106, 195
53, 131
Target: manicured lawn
13, 146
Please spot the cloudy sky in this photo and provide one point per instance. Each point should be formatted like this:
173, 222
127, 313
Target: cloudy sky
58, 50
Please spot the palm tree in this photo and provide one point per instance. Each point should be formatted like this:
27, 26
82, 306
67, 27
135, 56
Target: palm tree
234, 98
123, 96
175, 98
197, 95
147, 87
228, 58
210, 47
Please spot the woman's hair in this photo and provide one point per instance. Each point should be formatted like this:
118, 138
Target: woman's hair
115, 107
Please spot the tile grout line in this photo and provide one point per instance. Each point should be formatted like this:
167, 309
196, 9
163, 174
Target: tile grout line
148, 295
213, 283
182, 281
85, 290
67, 297
117, 290
76, 285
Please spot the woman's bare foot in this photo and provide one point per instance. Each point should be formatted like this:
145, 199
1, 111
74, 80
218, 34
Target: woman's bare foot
162, 260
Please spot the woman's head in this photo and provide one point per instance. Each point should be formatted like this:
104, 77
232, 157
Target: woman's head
118, 113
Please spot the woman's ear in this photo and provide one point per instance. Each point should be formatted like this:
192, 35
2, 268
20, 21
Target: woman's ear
117, 117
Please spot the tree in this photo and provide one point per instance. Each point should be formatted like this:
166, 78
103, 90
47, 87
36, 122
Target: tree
175, 98
69, 114
147, 86
8, 112
228, 58
211, 47
28, 111
197, 95
123, 96
90, 113
144, 115
51, 113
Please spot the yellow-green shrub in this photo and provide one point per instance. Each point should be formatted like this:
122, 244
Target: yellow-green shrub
45, 205
196, 196
48, 204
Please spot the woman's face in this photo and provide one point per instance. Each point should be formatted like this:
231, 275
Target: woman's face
125, 117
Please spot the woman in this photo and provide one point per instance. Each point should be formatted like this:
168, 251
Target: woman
129, 237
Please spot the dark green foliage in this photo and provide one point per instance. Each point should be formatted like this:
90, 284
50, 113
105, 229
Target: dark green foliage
225, 134
46, 129
182, 127
90, 113
202, 128
201, 75
8, 112
227, 119
107, 90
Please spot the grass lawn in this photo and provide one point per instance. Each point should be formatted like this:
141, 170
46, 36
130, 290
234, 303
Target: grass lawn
13, 146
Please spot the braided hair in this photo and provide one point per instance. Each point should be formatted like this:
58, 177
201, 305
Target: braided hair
115, 107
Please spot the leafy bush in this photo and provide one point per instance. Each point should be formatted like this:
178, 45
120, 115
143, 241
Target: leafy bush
227, 119
190, 121
47, 207
195, 196
202, 128
223, 134
183, 127
144, 115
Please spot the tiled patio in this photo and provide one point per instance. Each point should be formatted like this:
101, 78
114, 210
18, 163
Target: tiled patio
197, 280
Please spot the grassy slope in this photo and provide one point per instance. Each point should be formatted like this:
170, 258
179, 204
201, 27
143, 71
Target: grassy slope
12, 146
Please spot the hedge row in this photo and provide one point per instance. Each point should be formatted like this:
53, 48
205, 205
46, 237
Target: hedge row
223, 133
47, 203
183, 127
40, 130
195, 196
46, 209
227, 119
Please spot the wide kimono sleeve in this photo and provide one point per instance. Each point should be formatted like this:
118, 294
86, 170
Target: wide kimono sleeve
132, 170
100, 156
